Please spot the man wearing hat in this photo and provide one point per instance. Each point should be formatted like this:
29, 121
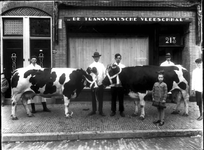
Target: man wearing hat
36, 99
197, 87
168, 61
97, 92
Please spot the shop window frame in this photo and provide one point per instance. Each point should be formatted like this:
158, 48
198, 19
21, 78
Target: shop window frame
40, 35
12, 35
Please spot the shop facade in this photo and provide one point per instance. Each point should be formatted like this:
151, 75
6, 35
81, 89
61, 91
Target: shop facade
142, 32
67, 33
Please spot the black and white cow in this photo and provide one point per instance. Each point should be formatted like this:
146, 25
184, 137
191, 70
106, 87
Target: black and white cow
48, 82
138, 80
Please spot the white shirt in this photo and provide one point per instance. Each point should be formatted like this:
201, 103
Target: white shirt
100, 70
167, 63
118, 83
120, 65
197, 79
31, 66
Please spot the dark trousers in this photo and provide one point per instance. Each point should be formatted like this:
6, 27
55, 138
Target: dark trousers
117, 92
199, 101
97, 94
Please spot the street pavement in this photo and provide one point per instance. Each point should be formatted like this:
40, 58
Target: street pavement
162, 143
52, 126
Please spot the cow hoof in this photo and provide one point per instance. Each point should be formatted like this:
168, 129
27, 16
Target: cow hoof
30, 115
142, 117
185, 114
175, 112
69, 114
134, 115
14, 118
68, 117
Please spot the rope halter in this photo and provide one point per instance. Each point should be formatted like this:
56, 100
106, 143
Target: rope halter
92, 82
114, 76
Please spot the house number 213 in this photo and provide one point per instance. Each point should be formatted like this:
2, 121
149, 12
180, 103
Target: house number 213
170, 40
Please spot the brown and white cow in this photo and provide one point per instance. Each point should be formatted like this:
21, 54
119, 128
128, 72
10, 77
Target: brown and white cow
48, 82
138, 80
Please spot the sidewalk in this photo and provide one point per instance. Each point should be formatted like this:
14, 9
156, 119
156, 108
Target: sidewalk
47, 126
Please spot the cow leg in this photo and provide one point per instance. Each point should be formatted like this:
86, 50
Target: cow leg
186, 100
24, 102
66, 104
136, 99
13, 110
142, 105
186, 108
136, 102
178, 98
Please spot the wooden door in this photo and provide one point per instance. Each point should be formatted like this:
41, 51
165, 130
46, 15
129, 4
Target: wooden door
176, 54
41, 48
134, 50
12, 58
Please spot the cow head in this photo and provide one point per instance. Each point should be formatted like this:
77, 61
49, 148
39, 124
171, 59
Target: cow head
112, 72
78, 80
93, 73
85, 78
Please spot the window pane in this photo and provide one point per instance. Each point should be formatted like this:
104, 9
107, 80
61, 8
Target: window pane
40, 27
13, 27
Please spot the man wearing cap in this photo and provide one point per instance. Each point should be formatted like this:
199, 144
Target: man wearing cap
197, 87
117, 90
97, 92
168, 61
36, 99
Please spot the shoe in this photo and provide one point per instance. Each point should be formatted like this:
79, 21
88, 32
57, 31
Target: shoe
102, 114
33, 111
200, 118
161, 123
33, 108
122, 114
112, 114
45, 107
46, 110
157, 121
92, 113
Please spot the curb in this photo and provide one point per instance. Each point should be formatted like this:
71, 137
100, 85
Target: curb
97, 135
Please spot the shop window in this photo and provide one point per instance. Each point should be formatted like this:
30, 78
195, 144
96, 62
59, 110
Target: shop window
13, 27
40, 27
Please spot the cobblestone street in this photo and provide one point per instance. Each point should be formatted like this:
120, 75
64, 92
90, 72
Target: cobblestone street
55, 121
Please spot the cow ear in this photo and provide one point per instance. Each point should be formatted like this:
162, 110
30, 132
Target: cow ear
94, 70
85, 82
109, 66
88, 70
114, 66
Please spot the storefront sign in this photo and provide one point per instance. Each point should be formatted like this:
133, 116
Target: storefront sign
125, 19
170, 40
